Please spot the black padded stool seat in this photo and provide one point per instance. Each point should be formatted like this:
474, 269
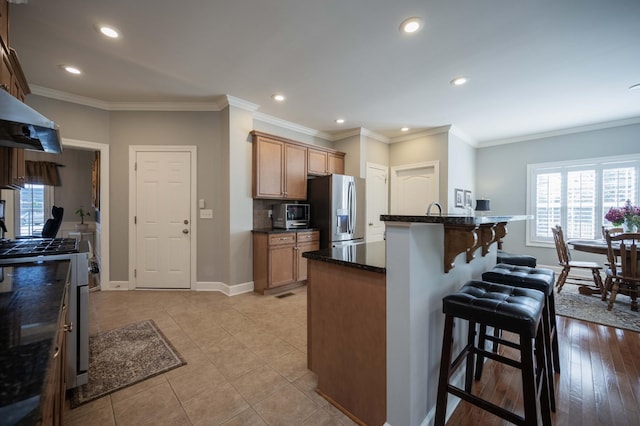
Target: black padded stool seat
539, 279
518, 310
516, 259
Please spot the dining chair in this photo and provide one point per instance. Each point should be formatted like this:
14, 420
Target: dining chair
564, 260
612, 231
625, 277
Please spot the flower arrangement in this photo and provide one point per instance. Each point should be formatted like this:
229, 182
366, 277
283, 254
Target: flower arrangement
629, 215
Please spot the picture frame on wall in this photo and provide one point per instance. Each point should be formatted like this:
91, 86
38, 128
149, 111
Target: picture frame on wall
467, 199
459, 194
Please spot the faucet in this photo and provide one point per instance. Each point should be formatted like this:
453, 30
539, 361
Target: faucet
434, 204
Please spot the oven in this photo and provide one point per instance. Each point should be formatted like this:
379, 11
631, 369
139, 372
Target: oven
77, 252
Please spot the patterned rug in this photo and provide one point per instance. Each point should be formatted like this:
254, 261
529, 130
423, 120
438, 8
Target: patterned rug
570, 303
124, 356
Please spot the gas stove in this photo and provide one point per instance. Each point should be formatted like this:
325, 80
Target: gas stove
29, 247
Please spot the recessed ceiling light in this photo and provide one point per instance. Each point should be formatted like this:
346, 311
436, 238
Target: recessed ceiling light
109, 31
340, 120
459, 81
71, 69
635, 86
411, 25
278, 97
404, 129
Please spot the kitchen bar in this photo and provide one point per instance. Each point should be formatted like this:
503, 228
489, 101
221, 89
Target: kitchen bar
377, 307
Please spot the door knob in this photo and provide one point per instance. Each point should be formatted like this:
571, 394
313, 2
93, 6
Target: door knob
186, 222
185, 231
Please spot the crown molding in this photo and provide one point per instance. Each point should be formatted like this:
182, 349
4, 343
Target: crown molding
228, 100
454, 130
67, 97
562, 132
217, 105
429, 132
359, 131
288, 125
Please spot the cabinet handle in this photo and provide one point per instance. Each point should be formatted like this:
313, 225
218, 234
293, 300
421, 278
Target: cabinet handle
68, 327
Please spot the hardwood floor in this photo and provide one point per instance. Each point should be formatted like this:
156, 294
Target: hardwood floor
599, 381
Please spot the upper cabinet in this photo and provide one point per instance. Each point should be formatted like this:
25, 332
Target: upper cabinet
279, 168
12, 80
324, 162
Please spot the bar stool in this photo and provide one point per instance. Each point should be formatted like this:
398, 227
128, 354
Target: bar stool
538, 279
516, 259
515, 309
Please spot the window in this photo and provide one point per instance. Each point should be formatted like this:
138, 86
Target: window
34, 204
577, 194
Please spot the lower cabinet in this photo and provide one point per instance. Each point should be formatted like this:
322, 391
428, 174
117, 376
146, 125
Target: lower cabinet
55, 388
278, 261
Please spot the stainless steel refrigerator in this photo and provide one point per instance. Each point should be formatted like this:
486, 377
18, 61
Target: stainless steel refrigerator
337, 209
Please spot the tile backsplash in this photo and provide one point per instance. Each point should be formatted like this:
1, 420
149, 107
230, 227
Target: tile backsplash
261, 217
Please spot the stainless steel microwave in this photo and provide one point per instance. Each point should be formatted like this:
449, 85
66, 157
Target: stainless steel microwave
291, 216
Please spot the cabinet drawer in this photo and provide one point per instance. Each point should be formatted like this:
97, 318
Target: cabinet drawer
283, 238
303, 237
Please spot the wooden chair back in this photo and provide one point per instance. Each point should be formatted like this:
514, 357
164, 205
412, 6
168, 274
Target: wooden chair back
626, 257
612, 231
561, 246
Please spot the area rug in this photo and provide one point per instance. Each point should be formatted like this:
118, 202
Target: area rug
125, 356
570, 303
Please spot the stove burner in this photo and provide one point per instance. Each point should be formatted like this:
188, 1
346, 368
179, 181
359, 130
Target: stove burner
37, 247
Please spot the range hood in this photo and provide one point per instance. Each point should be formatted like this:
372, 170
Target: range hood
23, 127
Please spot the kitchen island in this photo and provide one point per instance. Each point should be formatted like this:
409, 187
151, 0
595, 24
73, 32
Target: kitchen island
428, 257
346, 328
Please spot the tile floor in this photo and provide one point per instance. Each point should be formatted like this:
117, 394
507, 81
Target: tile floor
246, 362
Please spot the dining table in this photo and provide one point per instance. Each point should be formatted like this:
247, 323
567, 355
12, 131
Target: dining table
600, 247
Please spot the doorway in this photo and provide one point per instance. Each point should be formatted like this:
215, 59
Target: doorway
414, 187
101, 237
162, 193
377, 200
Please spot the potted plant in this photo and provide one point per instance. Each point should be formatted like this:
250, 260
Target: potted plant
82, 227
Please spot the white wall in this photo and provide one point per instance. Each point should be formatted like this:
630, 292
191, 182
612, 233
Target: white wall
461, 171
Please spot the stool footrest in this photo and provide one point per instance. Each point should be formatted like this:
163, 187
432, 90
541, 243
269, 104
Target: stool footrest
502, 341
486, 405
500, 358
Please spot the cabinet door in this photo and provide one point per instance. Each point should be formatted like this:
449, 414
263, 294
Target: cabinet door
335, 164
282, 263
268, 167
18, 170
307, 241
317, 162
295, 172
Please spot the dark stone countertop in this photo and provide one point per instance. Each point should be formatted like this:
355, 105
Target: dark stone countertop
368, 256
30, 303
455, 219
280, 231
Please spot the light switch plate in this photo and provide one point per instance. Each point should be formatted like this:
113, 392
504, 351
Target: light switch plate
206, 214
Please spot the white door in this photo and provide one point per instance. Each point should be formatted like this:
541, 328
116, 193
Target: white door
413, 188
377, 200
163, 214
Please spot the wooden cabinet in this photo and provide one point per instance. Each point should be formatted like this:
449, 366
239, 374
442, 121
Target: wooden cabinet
335, 163
324, 162
279, 169
12, 168
278, 261
55, 385
281, 166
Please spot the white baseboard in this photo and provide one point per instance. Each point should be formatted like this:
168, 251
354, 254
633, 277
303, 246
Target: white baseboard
229, 290
115, 286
